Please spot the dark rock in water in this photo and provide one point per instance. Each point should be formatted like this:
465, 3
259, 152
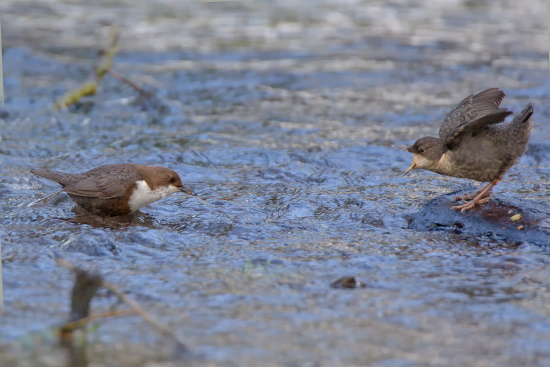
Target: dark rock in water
511, 220
347, 283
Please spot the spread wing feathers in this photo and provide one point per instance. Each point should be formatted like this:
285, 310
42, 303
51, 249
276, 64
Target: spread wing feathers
472, 114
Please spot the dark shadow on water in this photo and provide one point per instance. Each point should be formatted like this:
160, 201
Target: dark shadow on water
135, 219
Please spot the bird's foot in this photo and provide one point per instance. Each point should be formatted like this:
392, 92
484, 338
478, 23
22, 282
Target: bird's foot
465, 198
471, 203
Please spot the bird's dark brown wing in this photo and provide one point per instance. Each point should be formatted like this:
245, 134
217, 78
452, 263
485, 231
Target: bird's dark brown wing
472, 114
92, 187
104, 183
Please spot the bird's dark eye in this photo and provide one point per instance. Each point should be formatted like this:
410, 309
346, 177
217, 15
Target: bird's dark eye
421, 150
172, 179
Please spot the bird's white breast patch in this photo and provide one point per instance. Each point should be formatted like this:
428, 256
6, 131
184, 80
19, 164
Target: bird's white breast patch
445, 163
143, 194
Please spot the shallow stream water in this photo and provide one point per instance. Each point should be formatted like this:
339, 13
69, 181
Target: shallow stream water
286, 120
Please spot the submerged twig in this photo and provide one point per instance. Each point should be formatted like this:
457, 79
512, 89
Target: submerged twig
85, 287
110, 51
71, 326
74, 96
84, 290
146, 99
161, 328
130, 83
90, 87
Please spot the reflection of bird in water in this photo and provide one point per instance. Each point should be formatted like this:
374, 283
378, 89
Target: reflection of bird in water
474, 143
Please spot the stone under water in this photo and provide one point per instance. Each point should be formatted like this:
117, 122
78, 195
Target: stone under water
511, 220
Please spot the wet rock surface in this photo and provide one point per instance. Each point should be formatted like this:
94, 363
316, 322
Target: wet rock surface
286, 120
509, 220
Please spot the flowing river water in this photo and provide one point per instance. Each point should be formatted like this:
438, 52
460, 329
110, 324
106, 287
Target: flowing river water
286, 119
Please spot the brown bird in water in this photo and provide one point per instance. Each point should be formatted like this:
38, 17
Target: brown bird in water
473, 143
117, 189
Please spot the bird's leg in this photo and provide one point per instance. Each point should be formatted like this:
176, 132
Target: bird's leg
480, 197
469, 197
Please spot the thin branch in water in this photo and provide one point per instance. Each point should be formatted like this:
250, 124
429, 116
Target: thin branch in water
69, 327
130, 83
161, 328
90, 87
86, 285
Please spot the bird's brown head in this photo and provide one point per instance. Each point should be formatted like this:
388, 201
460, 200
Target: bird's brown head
427, 153
157, 177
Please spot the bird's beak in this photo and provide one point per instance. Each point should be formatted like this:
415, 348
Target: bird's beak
185, 190
413, 165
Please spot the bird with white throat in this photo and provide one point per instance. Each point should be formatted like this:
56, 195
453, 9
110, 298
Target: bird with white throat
117, 189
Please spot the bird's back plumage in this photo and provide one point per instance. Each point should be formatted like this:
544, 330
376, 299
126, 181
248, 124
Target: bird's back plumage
487, 153
104, 182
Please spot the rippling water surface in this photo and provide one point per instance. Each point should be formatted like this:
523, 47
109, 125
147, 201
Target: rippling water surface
286, 120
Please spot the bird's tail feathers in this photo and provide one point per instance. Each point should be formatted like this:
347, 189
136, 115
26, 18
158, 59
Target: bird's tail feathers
524, 115
59, 177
